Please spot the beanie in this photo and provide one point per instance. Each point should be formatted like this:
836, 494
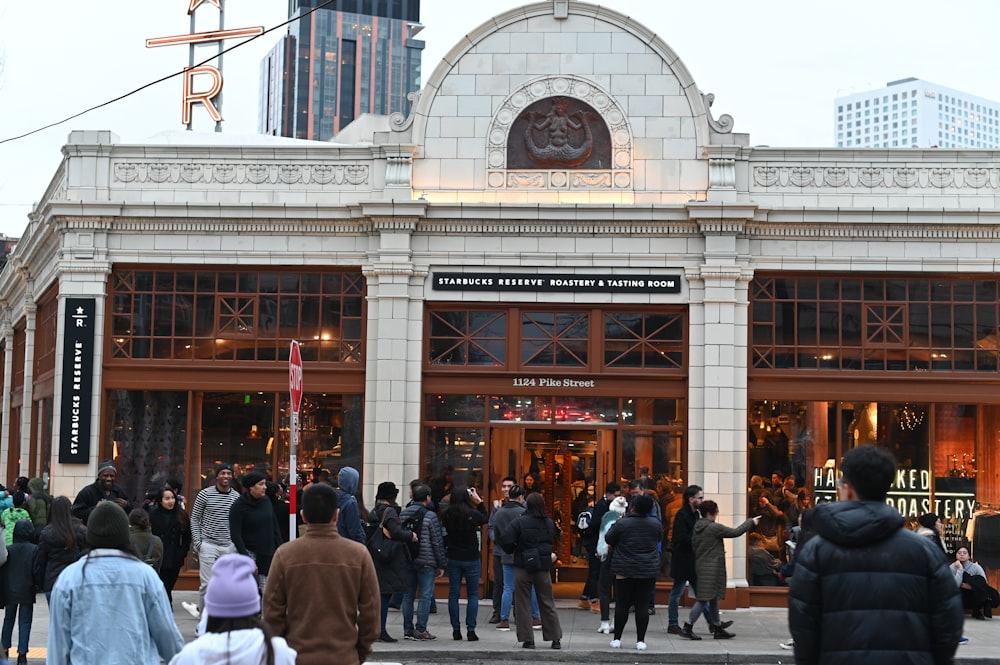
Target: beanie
222, 466
252, 479
928, 520
232, 592
107, 527
106, 465
386, 491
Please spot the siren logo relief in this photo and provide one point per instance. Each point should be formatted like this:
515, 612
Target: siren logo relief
558, 138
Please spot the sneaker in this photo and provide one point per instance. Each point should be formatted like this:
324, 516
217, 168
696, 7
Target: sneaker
409, 634
616, 644
472, 637
789, 645
495, 618
674, 630
556, 644
503, 625
584, 604
386, 637
456, 635
640, 646
422, 636
963, 640
536, 623
605, 627
191, 609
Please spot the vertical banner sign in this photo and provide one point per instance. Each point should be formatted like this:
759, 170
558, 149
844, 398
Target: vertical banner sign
77, 381
295, 393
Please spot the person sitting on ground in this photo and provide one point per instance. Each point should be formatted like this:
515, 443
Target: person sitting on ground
971, 579
234, 632
763, 566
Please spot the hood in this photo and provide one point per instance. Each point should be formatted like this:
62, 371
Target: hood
24, 531
701, 524
36, 486
221, 648
347, 480
856, 523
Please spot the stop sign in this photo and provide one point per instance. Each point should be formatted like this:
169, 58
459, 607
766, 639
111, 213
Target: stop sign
295, 376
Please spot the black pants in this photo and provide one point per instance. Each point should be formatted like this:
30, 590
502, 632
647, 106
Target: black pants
633, 592
497, 584
604, 589
169, 578
591, 588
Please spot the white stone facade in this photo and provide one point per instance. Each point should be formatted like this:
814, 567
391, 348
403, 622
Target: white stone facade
400, 198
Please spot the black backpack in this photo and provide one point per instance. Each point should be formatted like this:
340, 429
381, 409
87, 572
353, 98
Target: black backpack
415, 523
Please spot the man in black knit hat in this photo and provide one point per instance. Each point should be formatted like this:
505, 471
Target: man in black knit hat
103, 489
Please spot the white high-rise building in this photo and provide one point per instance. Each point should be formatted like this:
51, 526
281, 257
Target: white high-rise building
913, 113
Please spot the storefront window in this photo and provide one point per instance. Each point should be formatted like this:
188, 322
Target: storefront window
148, 431
453, 456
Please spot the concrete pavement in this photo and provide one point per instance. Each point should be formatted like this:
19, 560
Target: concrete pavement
758, 633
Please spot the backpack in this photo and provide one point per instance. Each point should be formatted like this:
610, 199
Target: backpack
415, 523
148, 559
585, 519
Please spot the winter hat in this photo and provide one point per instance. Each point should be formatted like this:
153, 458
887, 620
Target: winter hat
232, 591
619, 505
252, 479
106, 465
107, 526
222, 466
928, 520
386, 491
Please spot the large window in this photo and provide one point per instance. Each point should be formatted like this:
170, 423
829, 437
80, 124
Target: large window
538, 338
875, 324
236, 315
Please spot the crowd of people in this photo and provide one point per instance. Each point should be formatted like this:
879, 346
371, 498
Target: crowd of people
265, 599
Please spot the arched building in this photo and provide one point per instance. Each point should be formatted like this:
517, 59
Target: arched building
561, 266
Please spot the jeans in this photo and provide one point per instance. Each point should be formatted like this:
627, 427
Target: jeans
508, 594
23, 612
709, 607
422, 577
470, 570
591, 586
675, 598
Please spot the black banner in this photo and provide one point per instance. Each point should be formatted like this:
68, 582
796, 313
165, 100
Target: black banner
77, 381
509, 282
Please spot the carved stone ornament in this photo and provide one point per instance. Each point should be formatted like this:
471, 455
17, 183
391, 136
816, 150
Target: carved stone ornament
553, 124
875, 177
200, 173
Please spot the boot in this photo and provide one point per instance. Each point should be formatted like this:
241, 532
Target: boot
722, 634
688, 633
22, 659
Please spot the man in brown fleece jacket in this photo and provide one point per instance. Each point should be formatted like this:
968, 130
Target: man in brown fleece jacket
322, 593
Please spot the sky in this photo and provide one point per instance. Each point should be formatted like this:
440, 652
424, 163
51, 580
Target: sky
775, 65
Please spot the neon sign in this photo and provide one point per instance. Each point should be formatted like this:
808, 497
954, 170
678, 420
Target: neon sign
206, 96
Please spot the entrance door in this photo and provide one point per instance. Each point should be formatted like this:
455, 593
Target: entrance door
569, 467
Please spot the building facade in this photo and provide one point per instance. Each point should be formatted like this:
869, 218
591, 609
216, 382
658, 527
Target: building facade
561, 266
913, 113
338, 62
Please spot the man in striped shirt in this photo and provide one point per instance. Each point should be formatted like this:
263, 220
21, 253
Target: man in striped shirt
210, 537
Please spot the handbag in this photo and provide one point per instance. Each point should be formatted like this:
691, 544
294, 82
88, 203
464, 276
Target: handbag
531, 560
380, 544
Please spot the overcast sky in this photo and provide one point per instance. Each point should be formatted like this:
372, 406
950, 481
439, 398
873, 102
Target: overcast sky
774, 65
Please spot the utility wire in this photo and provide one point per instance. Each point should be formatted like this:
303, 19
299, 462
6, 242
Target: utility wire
165, 78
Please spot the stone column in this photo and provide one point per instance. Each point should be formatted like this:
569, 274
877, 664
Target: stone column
28, 407
393, 348
8, 376
717, 442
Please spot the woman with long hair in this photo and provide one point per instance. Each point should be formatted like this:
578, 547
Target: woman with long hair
109, 606
635, 540
62, 541
530, 538
173, 526
463, 520
392, 574
234, 633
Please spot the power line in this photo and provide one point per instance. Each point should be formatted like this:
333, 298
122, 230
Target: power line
165, 78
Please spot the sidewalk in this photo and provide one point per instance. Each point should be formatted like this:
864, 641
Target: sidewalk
758, 632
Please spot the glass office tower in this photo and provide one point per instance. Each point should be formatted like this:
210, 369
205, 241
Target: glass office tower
335, 63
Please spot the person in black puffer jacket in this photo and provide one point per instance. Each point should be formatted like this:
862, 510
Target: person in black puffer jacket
62, 541
635, 562
392, 575
253, 525
865, 589
530, 539
169, 521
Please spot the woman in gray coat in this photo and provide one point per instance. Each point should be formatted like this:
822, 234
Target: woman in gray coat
710, 565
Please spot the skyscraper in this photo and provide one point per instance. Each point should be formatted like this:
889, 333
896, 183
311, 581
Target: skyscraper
913, 113
353, 57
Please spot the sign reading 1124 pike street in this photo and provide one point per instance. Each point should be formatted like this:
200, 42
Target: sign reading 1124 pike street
77, 381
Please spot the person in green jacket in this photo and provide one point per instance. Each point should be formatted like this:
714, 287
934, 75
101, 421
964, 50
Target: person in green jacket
12, 515
39, 504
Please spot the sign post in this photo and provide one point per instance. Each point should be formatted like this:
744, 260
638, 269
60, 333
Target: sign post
295, 393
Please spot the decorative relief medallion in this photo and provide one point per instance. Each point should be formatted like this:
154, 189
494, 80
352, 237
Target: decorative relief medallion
870, 177
801, 176
905, 177
835, 177
258, 174
977, 177
555, 123
940, 177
